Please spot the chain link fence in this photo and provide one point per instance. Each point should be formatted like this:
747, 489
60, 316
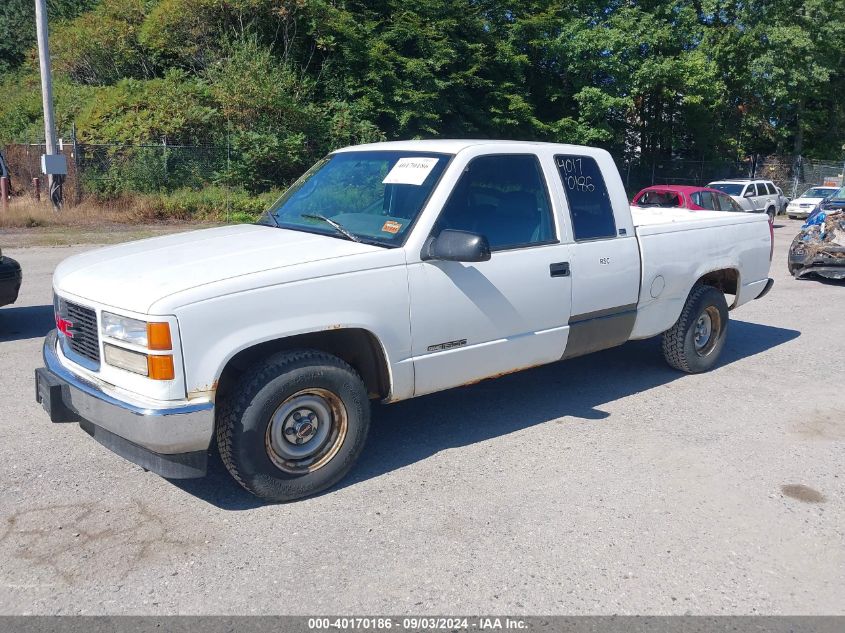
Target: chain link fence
638, 174
796, 175
111, 170
793, 175
24, 164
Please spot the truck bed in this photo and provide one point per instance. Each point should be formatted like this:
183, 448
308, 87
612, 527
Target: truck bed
677, 245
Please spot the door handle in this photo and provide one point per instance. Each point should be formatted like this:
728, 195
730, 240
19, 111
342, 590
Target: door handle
559, 269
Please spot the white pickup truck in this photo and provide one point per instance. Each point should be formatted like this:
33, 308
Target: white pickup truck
387, 271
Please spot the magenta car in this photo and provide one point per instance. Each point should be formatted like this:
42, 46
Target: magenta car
685, 197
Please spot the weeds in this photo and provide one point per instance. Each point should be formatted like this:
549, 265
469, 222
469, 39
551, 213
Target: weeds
211, 204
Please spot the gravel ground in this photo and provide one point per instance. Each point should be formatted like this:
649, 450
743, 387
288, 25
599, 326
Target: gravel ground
606, 484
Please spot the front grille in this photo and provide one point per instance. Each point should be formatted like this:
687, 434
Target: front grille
86, 340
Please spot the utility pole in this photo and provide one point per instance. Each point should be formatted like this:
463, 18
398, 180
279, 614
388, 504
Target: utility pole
52, 168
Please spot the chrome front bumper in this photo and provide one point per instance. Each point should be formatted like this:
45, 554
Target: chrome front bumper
170, 439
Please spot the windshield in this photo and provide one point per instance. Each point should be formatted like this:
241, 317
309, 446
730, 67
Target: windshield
658, 198
730, 188
818, 192
839, 195
372, 197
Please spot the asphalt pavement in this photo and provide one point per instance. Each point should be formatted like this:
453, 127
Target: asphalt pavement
604, 484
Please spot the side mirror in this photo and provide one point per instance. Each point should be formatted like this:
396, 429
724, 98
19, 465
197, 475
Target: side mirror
749, 194
456, 246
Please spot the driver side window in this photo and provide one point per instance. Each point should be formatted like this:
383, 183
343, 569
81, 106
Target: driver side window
503, 198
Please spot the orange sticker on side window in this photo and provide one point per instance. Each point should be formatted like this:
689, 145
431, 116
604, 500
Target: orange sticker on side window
391, 227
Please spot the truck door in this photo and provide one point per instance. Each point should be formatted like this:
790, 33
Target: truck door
606, 258
471, 321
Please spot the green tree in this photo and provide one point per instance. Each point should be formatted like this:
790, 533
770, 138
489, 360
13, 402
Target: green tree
284, 81
17, 26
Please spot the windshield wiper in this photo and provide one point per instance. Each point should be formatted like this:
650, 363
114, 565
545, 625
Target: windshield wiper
336, 225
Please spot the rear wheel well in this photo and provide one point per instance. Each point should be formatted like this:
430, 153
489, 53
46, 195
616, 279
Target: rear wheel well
358, 347
726, 280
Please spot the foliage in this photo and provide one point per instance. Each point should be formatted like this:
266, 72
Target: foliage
17, 26
282, 82
101, 46
176, 107
214, 203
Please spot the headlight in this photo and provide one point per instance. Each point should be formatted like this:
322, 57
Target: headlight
150, 335
124, 329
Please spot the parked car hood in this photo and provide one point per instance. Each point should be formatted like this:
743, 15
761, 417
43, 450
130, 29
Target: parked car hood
135, 275
833, 204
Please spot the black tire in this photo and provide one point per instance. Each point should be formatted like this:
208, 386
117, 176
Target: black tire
772, 213
680, 343
282, 383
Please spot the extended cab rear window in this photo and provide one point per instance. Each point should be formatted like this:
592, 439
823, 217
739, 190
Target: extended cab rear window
586, 193
730, 188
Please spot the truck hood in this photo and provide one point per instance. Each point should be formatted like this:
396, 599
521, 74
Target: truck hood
135, 275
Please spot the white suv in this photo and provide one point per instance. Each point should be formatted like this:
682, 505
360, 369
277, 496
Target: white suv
755, 196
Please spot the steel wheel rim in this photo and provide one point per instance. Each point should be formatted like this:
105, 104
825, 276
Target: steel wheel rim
306, 431
706, 331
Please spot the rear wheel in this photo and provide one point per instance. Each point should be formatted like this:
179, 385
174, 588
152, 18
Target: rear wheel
694, 343
294, 425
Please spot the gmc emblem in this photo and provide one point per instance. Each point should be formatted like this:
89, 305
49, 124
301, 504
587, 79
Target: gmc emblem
64, 326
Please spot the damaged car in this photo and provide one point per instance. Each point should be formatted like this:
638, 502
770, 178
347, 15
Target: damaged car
10, 279
819, 249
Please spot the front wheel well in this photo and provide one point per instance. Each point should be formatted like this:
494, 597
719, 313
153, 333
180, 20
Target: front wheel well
358, 347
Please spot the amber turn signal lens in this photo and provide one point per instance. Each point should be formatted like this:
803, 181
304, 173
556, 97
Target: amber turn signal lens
160, 367
158, 336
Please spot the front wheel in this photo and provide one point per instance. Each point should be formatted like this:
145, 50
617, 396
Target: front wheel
294, 425
694, 343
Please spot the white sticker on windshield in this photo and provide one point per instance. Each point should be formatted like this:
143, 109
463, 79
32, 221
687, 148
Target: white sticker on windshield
410, 171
